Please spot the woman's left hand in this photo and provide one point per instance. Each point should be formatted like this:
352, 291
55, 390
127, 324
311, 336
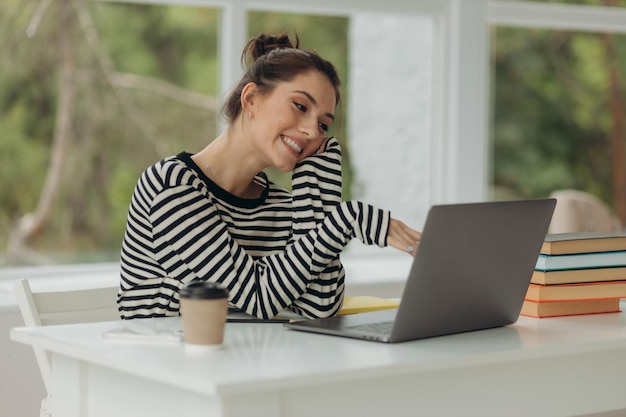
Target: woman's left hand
402, 237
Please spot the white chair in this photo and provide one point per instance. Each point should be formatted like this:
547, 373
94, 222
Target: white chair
579, 211
63, 307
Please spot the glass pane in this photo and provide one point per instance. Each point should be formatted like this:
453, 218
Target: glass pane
391, 111
95, 94
558, 114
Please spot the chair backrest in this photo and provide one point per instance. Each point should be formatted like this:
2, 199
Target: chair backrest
579, 211
63, 307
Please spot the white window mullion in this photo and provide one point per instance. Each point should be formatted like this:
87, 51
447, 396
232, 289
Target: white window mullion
233, 36
463, 148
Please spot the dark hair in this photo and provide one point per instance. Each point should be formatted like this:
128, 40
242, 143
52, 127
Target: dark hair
275, 59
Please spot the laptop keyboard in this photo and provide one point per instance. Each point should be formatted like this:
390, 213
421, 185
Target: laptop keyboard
384, 327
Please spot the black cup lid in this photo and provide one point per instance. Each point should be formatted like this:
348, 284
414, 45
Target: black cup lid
204, 290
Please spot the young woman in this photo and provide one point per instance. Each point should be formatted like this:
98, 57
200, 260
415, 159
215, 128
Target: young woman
215, 216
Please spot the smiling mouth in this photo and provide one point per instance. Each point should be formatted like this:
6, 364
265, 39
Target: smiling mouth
293, 145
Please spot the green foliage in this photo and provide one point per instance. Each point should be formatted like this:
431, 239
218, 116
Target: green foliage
552, 121
25, 138
174, 43
19, 150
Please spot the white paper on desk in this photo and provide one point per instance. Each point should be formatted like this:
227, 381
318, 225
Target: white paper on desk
140, 334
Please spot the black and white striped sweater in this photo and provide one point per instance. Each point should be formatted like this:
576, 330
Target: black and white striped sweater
274, 252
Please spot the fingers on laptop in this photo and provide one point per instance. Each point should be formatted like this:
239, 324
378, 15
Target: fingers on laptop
402, 237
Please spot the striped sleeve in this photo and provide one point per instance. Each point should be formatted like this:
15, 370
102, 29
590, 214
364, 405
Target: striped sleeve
316, 191
316, 187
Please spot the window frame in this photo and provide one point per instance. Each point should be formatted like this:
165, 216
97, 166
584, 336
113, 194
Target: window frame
460, 142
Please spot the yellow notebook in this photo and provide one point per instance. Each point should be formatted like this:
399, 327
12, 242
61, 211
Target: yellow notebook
364, 303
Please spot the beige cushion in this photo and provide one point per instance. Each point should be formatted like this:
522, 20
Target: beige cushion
578, 211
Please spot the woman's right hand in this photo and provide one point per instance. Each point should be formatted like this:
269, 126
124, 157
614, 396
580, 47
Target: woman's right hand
314, 146
402, 237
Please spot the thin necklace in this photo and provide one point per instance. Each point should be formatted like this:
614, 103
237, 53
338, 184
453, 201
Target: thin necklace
249, 191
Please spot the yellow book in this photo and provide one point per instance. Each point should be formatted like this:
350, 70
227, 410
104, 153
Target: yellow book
365, 303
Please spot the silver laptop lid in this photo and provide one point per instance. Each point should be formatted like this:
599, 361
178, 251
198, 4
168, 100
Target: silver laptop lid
472, 267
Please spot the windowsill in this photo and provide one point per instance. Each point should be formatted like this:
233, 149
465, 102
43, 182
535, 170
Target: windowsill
382, 276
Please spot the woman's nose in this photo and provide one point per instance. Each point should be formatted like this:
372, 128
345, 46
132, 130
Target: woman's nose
309, 128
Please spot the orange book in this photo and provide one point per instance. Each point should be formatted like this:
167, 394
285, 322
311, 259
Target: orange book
569, 308
580, 291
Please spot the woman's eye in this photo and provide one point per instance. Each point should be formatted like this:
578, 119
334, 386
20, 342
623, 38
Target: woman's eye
324, 127
300, 107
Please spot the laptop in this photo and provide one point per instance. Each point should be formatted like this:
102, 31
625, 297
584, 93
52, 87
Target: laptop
471, 272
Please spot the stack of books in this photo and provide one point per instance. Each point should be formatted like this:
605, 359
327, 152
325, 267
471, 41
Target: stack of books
578, 273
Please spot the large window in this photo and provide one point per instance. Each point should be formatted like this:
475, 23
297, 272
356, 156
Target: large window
93, 92
124, 84
559, 102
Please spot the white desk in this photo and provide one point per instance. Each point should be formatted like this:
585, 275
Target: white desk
548, 367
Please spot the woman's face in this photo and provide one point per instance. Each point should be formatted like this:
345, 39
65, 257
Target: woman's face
290, 123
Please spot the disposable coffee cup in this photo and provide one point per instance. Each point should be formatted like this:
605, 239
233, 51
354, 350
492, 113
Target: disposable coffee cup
203, 308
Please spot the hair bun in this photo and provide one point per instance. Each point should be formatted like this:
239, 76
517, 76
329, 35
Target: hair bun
262, 44
270, 60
